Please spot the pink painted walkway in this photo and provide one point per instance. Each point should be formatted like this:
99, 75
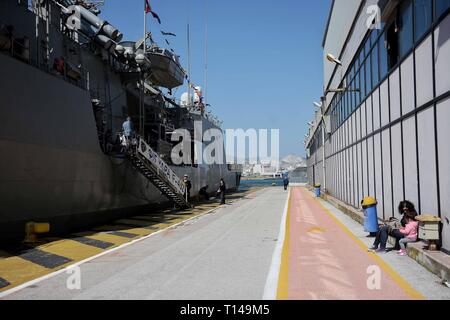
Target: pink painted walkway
324, 260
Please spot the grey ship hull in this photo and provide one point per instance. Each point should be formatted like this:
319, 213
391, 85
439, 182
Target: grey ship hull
52, 168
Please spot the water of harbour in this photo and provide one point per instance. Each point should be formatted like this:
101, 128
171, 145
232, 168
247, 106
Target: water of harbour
298, 176
249, 184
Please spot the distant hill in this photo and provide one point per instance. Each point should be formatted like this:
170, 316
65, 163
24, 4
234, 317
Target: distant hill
292, 162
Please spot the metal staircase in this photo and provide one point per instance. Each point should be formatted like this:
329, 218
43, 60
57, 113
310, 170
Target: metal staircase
151, 166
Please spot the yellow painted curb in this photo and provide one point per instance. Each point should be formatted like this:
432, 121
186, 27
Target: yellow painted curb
283, 279
413, 293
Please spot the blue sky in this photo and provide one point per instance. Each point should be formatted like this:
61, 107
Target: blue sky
264, 57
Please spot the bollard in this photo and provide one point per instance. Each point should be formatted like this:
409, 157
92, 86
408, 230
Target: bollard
369, 205
317, 190
32, 229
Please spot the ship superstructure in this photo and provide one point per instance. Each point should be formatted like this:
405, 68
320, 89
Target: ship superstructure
68, 82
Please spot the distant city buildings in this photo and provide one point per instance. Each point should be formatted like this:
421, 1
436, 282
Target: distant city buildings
274, 168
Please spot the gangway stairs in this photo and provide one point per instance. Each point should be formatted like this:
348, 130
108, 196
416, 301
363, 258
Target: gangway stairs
151, 166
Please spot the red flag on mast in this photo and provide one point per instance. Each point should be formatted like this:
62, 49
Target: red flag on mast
148, 9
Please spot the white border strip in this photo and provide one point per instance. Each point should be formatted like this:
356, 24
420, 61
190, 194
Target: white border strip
271, 288
54, 274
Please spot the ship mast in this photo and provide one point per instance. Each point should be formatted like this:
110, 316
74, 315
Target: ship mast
189, 53
206, 53
189, 63
142, 91
145, 25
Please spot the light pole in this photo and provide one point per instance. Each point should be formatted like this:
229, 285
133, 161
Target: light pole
320, 106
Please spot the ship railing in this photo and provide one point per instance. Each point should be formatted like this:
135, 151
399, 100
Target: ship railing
237, 168
76, 75
18, 48
21, 49
162, 168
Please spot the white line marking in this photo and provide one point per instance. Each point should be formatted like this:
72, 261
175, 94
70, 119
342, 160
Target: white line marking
53, 274
271, 288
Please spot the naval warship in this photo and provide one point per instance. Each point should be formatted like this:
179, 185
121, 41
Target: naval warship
68, 82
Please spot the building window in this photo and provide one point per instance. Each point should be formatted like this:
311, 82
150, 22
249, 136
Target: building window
375, 71
350, 73
405, 34
368, 76
363, 81
383, 56
346, 105
361, 56
441, 7
357, 86
354, 102
423, 12
368, 44
373, 36
350, 103
392, 45
383, 49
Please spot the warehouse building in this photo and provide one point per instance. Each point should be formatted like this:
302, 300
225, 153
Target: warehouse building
385, 129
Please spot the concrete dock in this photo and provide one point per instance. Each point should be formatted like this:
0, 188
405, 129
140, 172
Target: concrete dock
269, 244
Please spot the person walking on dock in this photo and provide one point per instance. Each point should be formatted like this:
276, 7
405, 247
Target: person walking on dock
286, 181
222, 190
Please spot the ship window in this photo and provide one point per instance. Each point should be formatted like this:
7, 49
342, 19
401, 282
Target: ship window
423, 16
405, 36
441, 7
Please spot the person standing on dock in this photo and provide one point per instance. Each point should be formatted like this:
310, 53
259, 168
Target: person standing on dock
188, 185
222, 190
127, 128
204, 192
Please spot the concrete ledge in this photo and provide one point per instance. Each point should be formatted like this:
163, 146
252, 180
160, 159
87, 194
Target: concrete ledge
437, 262
353, 213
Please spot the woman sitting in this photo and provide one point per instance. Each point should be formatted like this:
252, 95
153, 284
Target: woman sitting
407, 233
